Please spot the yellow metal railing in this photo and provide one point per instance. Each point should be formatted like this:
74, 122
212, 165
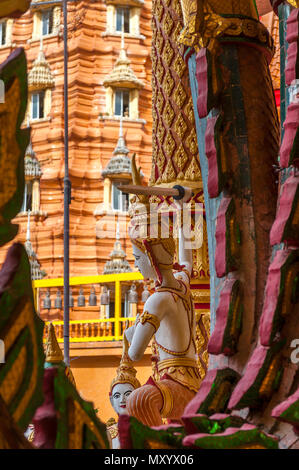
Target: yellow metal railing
102, 329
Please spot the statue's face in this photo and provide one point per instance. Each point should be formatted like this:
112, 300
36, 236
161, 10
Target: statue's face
143, 264
120, 394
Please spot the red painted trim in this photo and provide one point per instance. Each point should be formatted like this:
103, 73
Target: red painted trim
215, 345
124, 432
285, 205
291, 127
292, 38
277, 98
200, 286
199, 306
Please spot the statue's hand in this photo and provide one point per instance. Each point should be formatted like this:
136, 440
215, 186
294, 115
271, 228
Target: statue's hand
129, 332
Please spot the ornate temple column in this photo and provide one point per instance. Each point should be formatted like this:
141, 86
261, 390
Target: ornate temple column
229, 51
175, 149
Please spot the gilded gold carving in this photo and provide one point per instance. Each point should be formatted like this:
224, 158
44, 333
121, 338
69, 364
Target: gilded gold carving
161, 132
169, 145
204, 22
168, 84
160, 102
160, 71
205, 358
176, 32
179, 95
159, 42
176, 5
180, 126
167, 24
180, 158
190, 111
25, 319
147, 317
191, 142
168, 53
161, 161
168, 114
78, 419
159, 10
169, 173
179, 66
14, 377
10, 148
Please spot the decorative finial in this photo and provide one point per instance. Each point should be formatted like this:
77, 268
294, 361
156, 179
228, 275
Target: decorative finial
53, 352
126, 373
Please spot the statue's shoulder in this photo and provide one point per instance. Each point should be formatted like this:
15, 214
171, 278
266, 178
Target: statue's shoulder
156, 299
183, 276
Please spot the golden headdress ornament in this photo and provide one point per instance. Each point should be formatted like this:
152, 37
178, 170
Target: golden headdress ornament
126, 373
147, 227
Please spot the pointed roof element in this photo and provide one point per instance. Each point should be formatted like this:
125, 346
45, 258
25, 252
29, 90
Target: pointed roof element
118, 262
40, 76
126, 372
122, 75
36, 272
53, 352
32, 165
120, 163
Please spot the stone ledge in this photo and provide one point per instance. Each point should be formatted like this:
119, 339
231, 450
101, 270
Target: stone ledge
124, 119
117, 34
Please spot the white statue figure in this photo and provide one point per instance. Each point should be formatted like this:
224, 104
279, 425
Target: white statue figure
121, 387
168, 315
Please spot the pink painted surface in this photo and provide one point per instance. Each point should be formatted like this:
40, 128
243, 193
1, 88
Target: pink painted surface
216, 340
202, 81
220, 235
211, 153
201, 395
254, 365
286, 200
282, 407
292, 38
290, 126
271, 296
124, 432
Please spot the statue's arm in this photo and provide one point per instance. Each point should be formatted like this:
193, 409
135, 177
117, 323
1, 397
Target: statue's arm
185, 254
149, 322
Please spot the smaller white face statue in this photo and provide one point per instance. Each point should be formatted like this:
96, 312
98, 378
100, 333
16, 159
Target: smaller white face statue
120, 393
142, 263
